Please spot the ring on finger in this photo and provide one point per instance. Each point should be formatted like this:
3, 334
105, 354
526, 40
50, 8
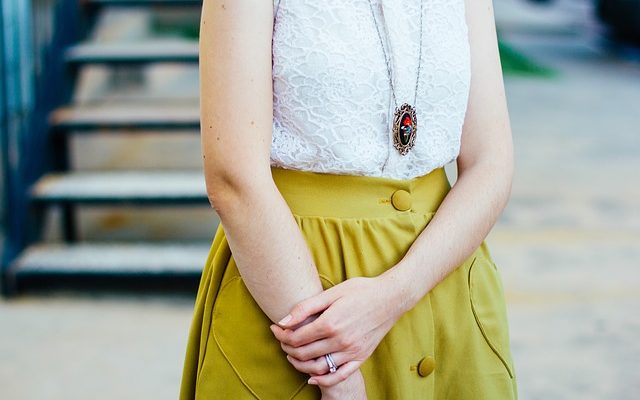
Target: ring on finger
331, 363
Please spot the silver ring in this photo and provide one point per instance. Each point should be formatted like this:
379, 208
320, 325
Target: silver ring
332, 364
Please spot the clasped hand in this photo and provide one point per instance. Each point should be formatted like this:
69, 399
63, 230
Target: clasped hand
347, 320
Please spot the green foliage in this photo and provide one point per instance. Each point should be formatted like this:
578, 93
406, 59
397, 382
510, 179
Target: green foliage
516, 63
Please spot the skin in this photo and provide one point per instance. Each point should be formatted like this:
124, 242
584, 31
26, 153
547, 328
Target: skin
269, 249
485, 172
236, 104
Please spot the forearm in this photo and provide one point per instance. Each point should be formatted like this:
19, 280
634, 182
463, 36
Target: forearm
460, 224
485, 172
269, 249
272, 255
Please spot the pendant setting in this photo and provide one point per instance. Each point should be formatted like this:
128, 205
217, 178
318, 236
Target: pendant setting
405, 127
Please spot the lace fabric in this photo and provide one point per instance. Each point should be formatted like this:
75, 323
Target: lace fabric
332, 101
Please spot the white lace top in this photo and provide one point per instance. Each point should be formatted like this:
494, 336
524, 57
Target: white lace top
333, 106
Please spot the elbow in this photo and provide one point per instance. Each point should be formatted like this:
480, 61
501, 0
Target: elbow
501, 173
503, 177
508, 169
230, 191
495, 169
498, 167
223, 191
498, 178
218, 197
503, 170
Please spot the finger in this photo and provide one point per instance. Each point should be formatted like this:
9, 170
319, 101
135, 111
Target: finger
340, 375
311, 350
307, 308
317, 366
306, 334
285, 336
279, 333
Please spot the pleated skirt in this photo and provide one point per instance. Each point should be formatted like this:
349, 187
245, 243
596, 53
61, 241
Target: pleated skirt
454, 344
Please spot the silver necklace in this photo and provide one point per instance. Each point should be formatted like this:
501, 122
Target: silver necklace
405, 123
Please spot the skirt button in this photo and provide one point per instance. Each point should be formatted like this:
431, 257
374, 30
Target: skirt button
401, 200
426, 366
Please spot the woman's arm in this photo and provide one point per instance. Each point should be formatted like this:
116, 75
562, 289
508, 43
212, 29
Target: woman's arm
236, 122
236, 104
462, 221
485, 171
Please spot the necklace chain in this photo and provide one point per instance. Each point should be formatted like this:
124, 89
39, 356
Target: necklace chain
386, 57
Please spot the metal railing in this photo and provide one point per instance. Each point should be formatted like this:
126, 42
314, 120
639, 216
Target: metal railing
33, 80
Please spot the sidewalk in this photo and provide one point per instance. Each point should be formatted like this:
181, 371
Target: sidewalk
569, 241
98, 347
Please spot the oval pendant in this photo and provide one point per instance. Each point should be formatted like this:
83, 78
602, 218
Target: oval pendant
404, 128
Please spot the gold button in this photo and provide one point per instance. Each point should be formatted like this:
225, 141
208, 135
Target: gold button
401, 200
426, 366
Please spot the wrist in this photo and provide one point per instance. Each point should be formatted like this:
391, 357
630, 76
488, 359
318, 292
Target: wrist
352, 387
403, 288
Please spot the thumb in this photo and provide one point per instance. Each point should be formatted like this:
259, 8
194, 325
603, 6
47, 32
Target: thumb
306, 308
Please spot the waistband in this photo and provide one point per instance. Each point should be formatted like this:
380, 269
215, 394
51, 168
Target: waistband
354, 196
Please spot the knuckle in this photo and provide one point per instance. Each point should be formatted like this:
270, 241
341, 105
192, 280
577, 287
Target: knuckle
292, 352
344, 341
301, 355
357, 347
330, 328
294, 341
299, 309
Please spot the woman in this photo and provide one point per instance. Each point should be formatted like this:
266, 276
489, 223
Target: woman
345, 265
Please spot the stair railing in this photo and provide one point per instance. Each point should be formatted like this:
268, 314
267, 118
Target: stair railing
33, 36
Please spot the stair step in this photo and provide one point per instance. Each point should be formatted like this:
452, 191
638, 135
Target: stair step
109, 187
145, 2
133, 52
113, 258
139, 116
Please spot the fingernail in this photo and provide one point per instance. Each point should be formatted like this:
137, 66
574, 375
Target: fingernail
289, 358
312, 381
285, 319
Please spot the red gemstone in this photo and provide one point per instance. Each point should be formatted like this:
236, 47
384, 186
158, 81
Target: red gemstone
406, 120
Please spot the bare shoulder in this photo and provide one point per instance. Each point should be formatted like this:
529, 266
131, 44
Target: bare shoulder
238, 17
233, 29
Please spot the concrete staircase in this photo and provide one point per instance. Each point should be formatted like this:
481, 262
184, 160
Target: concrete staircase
118, 69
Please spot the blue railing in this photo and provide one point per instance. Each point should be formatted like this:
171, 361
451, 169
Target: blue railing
33, 80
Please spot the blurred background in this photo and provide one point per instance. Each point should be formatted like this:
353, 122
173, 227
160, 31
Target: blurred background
105, 224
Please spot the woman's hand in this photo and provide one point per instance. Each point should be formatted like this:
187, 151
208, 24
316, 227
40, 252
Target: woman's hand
354, 317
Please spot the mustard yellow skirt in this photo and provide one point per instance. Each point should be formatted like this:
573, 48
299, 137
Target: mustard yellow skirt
453, 345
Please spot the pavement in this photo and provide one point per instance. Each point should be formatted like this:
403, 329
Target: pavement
92, 346
567, 247
569, 240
